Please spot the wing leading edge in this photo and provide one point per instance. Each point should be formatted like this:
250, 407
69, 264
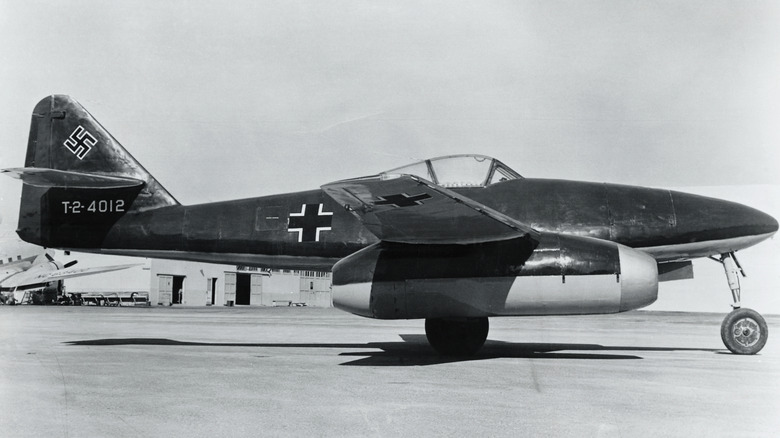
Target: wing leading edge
409, 209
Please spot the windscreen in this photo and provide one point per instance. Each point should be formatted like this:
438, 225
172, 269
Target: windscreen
460, 171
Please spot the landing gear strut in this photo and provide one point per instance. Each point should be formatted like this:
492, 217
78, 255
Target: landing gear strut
743, 331
457, 336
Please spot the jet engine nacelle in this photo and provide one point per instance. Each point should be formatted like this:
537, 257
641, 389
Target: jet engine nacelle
562, 275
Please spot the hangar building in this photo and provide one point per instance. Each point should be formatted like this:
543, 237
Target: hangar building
169, 282
203, 284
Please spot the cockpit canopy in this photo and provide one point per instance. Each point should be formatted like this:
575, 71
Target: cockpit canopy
455, 171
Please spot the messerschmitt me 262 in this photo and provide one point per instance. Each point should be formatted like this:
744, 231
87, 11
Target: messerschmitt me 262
453, 240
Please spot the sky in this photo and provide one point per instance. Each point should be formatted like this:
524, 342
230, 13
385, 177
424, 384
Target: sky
225, 100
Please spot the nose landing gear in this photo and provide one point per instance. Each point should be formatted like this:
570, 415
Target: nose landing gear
743, 331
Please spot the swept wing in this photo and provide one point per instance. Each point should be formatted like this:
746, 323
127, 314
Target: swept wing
410, 209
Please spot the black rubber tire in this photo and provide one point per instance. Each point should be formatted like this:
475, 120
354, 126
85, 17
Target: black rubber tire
744, 331
457, 337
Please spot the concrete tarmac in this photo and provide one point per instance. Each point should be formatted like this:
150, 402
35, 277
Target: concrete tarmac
211, 372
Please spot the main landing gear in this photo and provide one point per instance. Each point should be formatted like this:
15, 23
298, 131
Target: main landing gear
743, 331
456, 336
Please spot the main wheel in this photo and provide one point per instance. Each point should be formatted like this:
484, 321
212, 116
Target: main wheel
456, 337
744, 331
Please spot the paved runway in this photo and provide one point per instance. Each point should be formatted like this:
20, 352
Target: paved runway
208, 372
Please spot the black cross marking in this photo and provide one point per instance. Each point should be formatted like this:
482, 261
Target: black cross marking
310, 222
402, 200
80, 142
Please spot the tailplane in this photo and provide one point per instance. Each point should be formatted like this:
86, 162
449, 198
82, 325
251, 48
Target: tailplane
78, 179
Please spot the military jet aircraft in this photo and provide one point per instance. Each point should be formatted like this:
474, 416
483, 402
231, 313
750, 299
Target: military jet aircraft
27, 269
453, 240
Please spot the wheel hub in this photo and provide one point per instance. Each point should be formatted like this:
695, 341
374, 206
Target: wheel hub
746, 332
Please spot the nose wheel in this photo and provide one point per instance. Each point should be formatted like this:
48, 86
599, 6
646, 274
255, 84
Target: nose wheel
743, 331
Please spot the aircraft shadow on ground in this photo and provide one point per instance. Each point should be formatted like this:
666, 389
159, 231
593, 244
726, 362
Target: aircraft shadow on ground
414, 350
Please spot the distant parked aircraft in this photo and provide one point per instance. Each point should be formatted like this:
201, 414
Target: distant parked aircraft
31, 269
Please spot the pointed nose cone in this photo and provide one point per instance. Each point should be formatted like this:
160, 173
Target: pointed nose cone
699, 218
770, 223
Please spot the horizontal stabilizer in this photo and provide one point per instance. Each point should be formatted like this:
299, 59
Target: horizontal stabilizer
409, 209
41, 177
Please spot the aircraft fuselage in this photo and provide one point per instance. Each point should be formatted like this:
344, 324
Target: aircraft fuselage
309, 229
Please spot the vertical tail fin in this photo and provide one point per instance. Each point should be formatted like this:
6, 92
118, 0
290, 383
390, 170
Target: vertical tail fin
78, 180
65, 136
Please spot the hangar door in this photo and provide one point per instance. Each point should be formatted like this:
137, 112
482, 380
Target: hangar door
178, 289
211, 291
230, 287
164, 289
170, 289
243, 289
256, 289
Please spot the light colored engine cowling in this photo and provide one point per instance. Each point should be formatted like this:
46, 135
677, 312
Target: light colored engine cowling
565, 275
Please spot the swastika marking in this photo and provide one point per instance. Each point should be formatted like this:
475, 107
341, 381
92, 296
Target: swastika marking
80, 142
